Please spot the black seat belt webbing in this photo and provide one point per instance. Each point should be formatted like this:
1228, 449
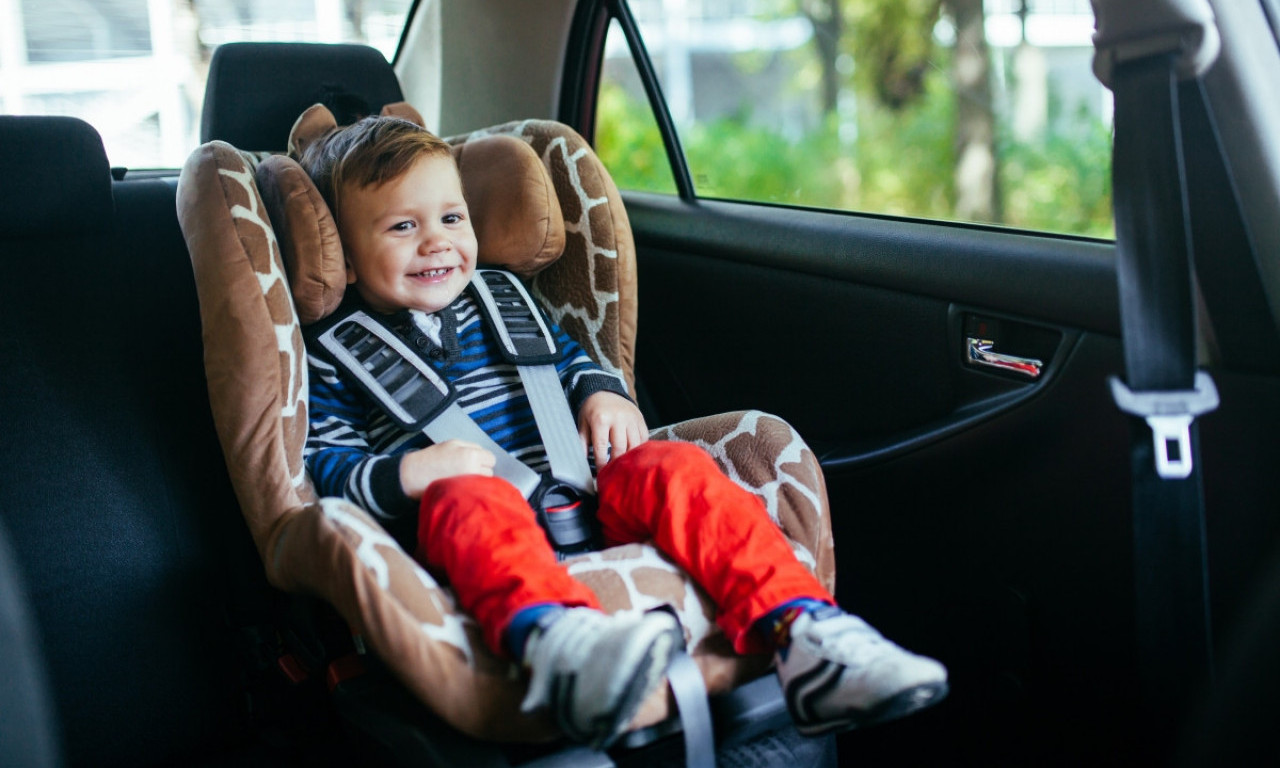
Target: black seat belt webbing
1164, 390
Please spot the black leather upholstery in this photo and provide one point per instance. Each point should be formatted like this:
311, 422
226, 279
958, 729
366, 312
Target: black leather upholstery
56, 178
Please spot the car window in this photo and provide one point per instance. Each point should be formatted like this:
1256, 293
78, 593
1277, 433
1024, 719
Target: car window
956, 110
135, 69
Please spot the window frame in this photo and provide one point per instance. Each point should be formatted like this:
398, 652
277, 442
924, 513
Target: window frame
584, 65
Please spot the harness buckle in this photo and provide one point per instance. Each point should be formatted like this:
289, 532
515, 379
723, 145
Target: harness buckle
1169, 413
568, 517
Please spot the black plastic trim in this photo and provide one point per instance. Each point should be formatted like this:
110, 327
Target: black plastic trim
580, 81
583, 57
404, 31
844, 456
1060, 281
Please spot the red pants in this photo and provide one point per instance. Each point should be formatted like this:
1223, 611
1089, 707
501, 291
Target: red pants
481, 532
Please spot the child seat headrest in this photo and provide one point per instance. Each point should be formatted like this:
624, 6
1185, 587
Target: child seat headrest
57, 179
255, 112
513, 205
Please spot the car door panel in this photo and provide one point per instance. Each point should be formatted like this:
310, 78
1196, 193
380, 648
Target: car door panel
978, 515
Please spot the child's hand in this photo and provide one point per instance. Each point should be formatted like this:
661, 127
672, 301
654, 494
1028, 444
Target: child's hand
611, 424
422, 467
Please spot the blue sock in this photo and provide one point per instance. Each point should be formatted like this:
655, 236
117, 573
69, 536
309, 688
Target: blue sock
522, 624
775, 625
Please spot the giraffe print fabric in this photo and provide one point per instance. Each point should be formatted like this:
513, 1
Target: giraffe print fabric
255, 365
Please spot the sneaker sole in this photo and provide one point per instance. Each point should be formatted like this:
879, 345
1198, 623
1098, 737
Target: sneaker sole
649, 672
899, 705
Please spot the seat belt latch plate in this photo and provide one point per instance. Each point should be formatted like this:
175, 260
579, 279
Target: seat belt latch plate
1169, 413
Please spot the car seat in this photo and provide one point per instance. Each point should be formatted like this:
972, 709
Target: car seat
254, 226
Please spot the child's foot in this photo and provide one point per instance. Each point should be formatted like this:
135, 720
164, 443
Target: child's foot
838, 673
594, 669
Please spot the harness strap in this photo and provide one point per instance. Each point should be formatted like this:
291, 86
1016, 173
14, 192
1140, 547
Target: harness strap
527, 342
417, 397
411, 392
453, 422
690, 692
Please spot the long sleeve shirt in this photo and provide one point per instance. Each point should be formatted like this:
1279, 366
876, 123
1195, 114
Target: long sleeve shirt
353, 449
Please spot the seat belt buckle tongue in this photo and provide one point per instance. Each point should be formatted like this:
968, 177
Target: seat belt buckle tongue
1169, 414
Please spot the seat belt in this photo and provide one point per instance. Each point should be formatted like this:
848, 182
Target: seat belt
527, 343
417, 397
1164, 391
690, 692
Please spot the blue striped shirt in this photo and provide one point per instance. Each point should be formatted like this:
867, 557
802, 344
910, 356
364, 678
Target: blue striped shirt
353, 448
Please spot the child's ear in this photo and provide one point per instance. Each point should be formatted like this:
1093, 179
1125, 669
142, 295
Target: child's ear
313, 124
404, 111
351, 272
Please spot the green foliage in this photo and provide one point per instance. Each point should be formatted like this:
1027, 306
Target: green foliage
892, 156
1062, 182
629, 143
900, 163
905, 156
893, 45
731, 159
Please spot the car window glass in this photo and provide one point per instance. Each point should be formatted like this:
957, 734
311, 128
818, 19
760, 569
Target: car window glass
957, 110
627, 136
135, 69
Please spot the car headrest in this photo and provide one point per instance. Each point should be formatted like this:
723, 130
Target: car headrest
57, 178
255, 91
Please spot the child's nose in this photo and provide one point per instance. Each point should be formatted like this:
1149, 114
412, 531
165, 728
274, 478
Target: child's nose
434, 241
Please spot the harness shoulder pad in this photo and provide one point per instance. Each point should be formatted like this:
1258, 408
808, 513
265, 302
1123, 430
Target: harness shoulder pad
404, 385
523, 331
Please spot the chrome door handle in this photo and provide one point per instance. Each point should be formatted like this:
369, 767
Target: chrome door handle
980, 354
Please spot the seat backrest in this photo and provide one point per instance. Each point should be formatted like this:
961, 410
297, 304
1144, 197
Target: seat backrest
115, 493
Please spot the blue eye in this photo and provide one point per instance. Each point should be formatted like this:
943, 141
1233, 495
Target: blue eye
402, 226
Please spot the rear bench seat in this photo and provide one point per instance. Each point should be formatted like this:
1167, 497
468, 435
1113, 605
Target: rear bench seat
119, 513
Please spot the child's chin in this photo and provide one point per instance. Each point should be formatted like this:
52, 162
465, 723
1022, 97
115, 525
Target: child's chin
436, 297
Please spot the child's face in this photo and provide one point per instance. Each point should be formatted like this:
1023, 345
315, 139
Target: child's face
409, 241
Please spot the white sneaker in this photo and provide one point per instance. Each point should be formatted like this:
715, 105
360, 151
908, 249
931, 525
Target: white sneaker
594, 669
840, 673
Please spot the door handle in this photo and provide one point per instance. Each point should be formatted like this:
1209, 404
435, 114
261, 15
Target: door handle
980, 353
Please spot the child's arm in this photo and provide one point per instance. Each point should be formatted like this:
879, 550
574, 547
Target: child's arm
608, 420
338, 453
611, 425
422, 467
342, 462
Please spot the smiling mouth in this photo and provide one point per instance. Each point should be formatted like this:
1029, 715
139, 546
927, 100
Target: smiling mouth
430, 273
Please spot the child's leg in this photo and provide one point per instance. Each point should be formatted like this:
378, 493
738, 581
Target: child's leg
836, 671
591, 669
717, 532
482, 534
